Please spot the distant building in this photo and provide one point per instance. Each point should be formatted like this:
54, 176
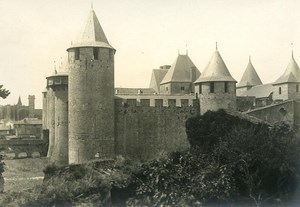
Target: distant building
29, 128
19, 111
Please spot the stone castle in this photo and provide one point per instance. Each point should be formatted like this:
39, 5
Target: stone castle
86, 117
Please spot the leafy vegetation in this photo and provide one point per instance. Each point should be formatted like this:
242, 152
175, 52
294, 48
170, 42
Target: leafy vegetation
3, 92
232, 160
1, 172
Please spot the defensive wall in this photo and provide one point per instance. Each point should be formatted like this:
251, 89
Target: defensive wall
28, 146
156, 100
143, 132
287, 111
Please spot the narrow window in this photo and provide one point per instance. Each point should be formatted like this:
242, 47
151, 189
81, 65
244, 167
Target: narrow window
226, 87
297, 88
200, 88
212, 87
279, 90
77, 53
96, 53
167, 89
182, 88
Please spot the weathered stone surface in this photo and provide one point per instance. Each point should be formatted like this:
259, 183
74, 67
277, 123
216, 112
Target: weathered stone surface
51, 120
219, 99
60, 151
91, 105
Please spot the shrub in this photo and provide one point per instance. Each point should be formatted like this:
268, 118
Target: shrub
230, 158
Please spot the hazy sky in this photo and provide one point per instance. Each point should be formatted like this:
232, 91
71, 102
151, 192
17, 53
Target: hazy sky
146, 34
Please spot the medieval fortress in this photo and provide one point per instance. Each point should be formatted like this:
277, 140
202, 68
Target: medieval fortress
86, 117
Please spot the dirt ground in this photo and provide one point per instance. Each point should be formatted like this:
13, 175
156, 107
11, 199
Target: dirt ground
23, 174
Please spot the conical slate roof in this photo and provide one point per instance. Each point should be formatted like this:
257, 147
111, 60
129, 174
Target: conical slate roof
182, 70
156, 78
92, 34
250, 77
216, 70
291, 74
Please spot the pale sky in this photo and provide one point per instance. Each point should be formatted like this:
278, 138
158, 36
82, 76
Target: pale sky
146, 34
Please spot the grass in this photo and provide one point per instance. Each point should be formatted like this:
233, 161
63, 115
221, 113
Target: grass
24, 168
23, 180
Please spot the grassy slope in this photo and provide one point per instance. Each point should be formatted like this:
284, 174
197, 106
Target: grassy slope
18, 172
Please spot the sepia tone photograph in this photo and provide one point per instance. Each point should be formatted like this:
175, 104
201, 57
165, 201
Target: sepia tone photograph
149, 103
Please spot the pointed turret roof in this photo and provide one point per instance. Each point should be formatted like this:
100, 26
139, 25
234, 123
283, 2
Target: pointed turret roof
92, 34
182, 70
291, 74
19, 101
156, 78
250, 77
216, 70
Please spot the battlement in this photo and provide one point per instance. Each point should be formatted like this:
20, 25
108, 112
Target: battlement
57, 80
157, 101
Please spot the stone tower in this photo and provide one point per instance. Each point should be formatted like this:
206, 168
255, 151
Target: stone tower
91, 94
31, 105
216, 87
59, 85
50, 113
249, 79
44, 114
287, 86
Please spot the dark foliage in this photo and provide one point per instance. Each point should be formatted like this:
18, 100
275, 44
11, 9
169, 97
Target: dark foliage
3, 92
1, 165
231, 160
206, 130
1, 176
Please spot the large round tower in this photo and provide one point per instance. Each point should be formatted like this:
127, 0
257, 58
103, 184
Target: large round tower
91, 94
216, 87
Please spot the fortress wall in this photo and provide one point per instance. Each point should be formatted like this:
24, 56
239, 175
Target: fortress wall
157, 100
293, 94
297, 114
241, 90
275, 113
143, 133
245, 103
288, 91
284, 92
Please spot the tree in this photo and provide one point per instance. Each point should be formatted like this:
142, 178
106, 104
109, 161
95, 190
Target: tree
233, 159
3, 92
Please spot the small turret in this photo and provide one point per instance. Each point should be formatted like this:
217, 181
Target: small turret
249, 79
287, 86
216, 87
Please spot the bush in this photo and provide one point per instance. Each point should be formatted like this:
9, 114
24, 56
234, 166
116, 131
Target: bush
231, 159
1, 176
